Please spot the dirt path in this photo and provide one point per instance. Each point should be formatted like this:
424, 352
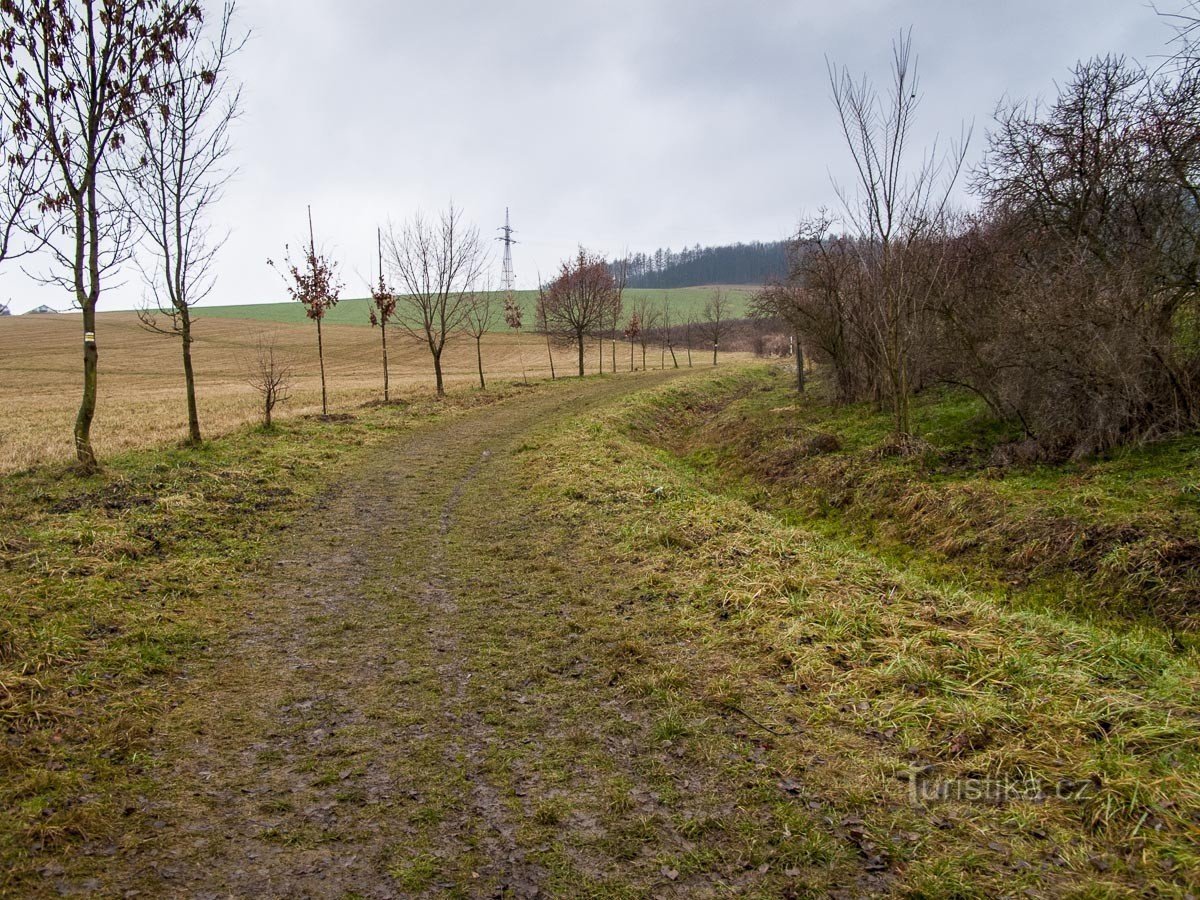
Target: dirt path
334, 746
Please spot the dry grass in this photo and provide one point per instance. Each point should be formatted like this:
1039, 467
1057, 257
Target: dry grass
141, 401
880, 679
108, 583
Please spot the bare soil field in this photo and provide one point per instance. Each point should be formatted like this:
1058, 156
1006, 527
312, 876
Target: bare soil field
141, 398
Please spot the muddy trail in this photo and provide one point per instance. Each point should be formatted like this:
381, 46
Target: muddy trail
521, 651
343, 741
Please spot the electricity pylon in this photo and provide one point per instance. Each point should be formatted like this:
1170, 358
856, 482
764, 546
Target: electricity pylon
507, 238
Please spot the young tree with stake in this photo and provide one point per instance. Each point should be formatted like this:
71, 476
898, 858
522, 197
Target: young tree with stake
512, 318
620, 279
647, 316
633, 331
668, 333
544, 328
314, 285
383, 308
271, 377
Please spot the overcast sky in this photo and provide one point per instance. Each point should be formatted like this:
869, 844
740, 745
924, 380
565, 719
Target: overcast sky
613, 124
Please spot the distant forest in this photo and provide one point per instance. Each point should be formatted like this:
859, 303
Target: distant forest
753, 263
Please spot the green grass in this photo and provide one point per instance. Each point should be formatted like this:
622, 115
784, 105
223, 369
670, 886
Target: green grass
1111, 536
110, 581
677, 665
685, 303
876, 673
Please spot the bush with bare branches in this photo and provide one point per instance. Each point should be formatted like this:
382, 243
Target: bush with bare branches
271, 376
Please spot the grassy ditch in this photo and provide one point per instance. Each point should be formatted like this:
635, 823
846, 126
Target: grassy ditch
953, 743
1117, 536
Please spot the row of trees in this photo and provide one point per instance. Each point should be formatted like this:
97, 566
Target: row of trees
751, 263
438, 265
115, 130
1067, 301
586, 299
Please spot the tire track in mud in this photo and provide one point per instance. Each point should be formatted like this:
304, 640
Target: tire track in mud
305, 751
506, 866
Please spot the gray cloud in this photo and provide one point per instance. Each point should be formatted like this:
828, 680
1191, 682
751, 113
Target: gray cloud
614, 124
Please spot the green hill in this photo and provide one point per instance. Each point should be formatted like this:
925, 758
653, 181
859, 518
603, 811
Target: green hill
685, 303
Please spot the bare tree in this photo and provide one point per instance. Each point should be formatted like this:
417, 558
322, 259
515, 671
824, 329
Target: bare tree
893, 209
782, 304
648, 320
437, 265
76, 77
620, 280
271, 376
669, 331
1075, 314
180, 154
314, 284
383, 308
580, 300
480, 319
824, 301
716, 312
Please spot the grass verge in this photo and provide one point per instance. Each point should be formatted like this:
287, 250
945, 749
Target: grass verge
947, 744
1109, 537
111, 582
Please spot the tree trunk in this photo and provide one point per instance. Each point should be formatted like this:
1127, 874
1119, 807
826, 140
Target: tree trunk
580, 336
550, 353
688, 338
631, 356
267, 404
383, 333
614, 353
189, 376
479, 360
714, 353
600, 346
643, 357
674, 361
88, 239
437, 373
87, 407
321, 360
